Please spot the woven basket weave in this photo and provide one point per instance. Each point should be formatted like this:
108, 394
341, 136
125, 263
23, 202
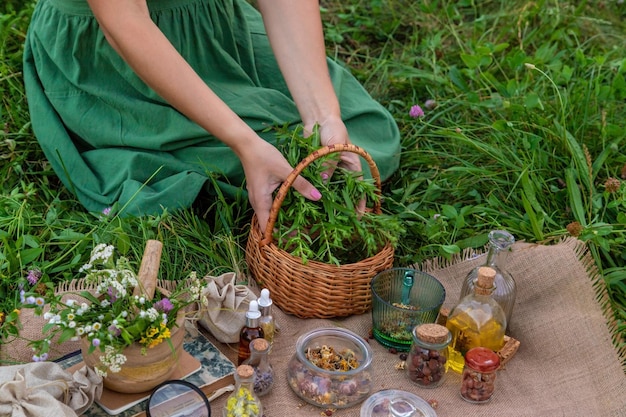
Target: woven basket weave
314, 289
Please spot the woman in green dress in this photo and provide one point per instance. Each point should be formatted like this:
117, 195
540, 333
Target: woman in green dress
145, 103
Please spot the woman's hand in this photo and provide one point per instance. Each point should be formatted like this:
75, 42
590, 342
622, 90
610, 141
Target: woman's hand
265, 169
333, 131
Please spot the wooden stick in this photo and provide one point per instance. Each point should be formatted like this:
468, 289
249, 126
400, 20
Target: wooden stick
149, 269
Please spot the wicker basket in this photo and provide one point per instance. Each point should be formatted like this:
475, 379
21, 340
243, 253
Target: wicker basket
314, 289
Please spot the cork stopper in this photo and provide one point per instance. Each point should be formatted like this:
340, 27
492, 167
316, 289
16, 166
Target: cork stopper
486, 276
259, 344
245, 371
432, 333
442, 317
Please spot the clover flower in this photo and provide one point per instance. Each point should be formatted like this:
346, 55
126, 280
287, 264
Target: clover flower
574, 229
430, 104
416, 111
33, 276
164, 305
612, 185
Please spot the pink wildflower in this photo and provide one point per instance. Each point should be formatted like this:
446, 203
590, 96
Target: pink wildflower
164, 305
416, 111
33, 276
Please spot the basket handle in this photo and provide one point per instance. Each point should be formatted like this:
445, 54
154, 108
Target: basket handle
149, 269
323, 151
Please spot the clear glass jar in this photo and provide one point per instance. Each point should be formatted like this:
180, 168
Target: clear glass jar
478, 320
263, 371
243, 402
396, 403
479, 375
500, 242
331, 368
426, 363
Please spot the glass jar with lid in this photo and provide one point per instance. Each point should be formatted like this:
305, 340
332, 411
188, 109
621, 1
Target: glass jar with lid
396, 403
426, 363
479, 375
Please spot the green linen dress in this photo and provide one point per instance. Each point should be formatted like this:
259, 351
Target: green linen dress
112, 139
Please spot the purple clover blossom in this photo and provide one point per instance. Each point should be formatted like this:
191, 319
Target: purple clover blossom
112, 293
416, 111
164, 305
430, 104
106, 211
33, 276
95, 342
114, 330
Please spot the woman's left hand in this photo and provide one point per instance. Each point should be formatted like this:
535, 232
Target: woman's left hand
333, 131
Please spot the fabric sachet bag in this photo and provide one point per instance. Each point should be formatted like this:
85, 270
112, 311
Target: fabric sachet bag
43, 389
227, 303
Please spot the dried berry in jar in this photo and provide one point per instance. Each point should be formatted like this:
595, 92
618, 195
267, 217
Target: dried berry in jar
479, 375
426, 364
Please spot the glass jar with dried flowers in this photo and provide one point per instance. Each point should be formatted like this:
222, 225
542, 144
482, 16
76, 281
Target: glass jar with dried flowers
123, 318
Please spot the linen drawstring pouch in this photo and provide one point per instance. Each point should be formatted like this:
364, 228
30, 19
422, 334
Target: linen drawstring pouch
43, 389
227, 302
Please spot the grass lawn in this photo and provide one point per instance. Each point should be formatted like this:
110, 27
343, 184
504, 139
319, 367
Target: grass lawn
523, 129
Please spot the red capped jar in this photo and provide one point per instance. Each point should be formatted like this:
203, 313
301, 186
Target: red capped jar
479, 375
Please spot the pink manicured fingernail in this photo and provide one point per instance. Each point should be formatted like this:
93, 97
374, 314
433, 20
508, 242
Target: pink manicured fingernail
316, 194
324, 175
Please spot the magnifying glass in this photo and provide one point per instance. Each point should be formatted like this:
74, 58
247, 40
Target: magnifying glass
178, 398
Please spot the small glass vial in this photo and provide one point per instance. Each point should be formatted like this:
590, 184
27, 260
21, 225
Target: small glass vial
267, 319
479, 375
263, 371
250, 331
426, 364
243, 402
500, 243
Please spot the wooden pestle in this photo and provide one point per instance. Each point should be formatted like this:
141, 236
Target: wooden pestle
149, 269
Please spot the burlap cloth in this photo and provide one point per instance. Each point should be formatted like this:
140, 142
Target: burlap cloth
566, 365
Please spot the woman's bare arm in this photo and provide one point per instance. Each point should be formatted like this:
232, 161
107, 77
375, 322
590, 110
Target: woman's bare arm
294, 28
131, 32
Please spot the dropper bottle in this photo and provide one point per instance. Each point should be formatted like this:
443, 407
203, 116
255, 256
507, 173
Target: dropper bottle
267, 320
250, 331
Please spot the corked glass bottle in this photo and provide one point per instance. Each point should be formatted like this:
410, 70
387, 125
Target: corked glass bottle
243, 402
500, 242
263, 370
478, 320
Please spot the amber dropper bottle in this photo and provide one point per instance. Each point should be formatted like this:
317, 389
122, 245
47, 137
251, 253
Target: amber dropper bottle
252, 330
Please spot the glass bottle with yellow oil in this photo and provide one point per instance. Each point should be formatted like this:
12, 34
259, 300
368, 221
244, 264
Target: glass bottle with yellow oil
477, 320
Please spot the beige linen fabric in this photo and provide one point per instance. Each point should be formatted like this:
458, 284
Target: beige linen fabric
227, 303
45, 389
567, 364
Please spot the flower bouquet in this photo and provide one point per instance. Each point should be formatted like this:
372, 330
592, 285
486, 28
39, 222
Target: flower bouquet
121, 318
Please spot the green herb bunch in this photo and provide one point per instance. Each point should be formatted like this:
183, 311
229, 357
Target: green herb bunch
331, 230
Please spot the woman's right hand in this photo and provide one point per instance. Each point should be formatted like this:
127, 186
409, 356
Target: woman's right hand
266, 169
